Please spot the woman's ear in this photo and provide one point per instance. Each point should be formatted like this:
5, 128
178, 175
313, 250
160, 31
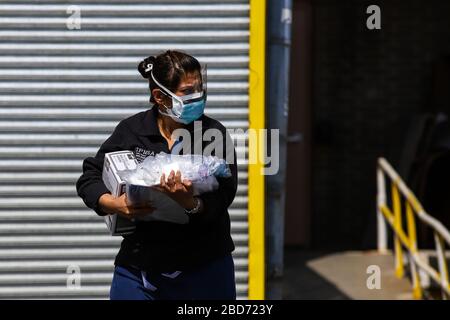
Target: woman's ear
160, 98
157, 95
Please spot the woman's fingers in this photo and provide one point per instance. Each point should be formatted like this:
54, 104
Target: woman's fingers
187, 184
125, 199
178, 177
171, 180
174, 182
171, 176
163, 183
178, 183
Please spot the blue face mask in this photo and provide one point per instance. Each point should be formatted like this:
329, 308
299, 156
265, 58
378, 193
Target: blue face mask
185, 109
185, 112
191, 112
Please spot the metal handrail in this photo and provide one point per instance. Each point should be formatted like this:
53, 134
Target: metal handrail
408, 239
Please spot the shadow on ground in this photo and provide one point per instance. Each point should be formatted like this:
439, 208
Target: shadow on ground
340, 276
301, 282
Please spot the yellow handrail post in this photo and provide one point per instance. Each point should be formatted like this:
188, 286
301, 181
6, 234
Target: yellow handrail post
412, 236
399, 269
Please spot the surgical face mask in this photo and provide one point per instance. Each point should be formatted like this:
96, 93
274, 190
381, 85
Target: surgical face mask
186, 112
185, 109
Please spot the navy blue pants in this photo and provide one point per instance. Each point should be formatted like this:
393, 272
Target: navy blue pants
214, 280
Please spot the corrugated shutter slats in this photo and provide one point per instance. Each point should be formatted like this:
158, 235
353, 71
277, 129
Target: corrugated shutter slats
61, 94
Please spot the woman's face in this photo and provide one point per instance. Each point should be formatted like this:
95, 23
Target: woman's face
189, 84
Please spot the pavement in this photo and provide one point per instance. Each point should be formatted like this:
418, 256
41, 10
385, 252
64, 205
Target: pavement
342, 276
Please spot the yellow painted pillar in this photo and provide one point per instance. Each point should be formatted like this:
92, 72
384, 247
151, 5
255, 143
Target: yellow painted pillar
256, 191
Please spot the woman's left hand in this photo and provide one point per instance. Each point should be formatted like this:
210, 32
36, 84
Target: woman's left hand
179, 190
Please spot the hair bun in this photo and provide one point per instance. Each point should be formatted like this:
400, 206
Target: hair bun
145, 66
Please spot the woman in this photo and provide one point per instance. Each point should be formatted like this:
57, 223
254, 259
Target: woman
163, 260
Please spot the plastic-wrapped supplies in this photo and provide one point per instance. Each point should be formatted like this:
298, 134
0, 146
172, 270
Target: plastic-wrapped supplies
201, 170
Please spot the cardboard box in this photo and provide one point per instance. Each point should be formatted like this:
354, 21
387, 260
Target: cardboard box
115, 165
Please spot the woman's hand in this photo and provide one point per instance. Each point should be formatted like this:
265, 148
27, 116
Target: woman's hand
122, 207
179, 190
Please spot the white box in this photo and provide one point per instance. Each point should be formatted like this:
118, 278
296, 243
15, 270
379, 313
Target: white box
115, 164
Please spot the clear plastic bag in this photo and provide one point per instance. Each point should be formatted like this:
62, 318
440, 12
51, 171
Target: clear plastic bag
201, 170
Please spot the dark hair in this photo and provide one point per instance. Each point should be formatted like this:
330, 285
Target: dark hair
168, 68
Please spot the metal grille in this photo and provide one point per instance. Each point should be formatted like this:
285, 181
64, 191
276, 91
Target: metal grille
61, 94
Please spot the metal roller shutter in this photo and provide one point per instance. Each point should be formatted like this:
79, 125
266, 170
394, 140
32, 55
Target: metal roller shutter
61, 94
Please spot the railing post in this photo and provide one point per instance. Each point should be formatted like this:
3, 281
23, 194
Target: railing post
443, 271
412, 236
399, 268
381, 223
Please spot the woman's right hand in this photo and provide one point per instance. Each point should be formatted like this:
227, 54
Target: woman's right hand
120, 205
